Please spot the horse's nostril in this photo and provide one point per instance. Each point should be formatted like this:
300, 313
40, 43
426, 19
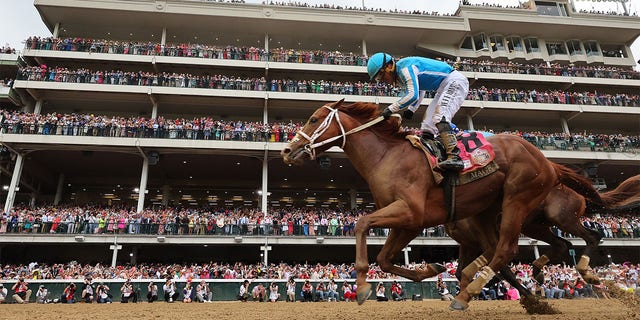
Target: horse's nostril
286, 151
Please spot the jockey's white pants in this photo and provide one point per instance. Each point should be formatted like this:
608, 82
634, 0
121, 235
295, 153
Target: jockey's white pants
451, 94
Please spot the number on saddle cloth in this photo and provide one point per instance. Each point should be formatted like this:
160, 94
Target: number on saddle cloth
475, 151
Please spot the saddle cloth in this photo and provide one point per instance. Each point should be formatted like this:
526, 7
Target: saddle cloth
475, 151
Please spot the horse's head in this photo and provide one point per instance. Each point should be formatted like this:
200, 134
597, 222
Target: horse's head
323, 130
330, 125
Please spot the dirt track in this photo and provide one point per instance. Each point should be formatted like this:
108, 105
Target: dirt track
583, 309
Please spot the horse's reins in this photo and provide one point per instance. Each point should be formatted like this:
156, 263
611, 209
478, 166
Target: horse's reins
310, 148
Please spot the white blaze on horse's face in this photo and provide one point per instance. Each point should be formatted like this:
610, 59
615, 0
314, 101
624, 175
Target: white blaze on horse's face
304, 143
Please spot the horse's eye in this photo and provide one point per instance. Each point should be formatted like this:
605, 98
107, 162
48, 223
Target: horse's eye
313, 120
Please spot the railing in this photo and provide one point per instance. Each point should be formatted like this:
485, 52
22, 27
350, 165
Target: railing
626, 145
195, 229
212, 229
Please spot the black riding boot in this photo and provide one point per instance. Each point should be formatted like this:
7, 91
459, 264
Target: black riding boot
426, 135
453, 161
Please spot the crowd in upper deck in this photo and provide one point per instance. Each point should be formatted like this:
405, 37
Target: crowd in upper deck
311, 56
278, 221
7, 49
226, 82
209, 128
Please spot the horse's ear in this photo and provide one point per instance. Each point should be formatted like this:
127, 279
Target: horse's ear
338, 103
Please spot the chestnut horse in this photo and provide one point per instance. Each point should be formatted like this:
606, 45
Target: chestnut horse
478, 236
563, 208
405, 192
625, 197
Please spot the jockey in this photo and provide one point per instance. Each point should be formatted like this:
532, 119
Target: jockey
418, 75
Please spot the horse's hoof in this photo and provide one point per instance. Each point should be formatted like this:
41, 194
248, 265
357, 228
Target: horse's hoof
363, 293
591, 279
438, 268
458, 305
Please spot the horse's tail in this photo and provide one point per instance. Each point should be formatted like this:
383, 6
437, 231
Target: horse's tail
625, 197
582, 186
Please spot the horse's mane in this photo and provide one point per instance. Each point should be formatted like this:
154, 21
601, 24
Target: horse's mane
365, 112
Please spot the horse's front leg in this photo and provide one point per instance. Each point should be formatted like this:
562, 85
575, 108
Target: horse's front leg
397, 215
397, 240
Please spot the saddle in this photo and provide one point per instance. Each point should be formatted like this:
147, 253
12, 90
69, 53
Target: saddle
475, 151
477, 156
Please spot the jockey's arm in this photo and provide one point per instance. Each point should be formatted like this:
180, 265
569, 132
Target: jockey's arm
409, 78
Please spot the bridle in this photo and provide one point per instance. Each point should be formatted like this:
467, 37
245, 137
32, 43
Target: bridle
310, 148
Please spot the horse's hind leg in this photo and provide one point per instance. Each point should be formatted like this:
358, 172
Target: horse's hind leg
515, 208
396, 241
592, 238
396, 215
563, 207
558, 247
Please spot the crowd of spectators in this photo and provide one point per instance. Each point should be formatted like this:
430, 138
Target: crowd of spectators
198, 128
548, 69
186, 80
522, 5
6, 82
182, 80
608, 13
196, 51
207, 128
560, 281
313, 56
7, 49
554, 96
301, 4
98, 219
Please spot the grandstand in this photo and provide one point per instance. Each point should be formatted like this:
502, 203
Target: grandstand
184, 40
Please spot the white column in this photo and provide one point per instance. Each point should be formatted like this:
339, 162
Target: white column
534, 244
565, 125
470, 122
266, 42
32, 201
59, 189
163, 41
15, 181
265, 253
154, 110
56, 30
406, 255
352, 198
364, 47
38, 108
143, 183
115, 247
166, 194
133, 256
265, 180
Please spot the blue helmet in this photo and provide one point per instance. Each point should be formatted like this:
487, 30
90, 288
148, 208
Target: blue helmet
377, 62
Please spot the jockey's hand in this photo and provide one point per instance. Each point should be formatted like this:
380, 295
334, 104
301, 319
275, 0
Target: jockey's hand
407, 114
386, 113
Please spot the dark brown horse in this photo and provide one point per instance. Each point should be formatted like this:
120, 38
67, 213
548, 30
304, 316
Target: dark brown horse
406, 195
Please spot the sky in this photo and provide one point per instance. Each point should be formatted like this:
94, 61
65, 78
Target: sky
21, 19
